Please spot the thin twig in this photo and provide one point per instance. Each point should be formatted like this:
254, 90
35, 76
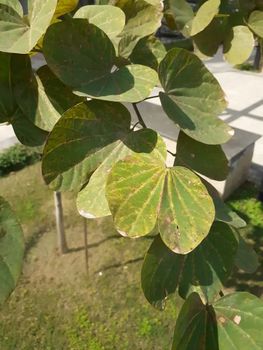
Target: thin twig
149, 98
173, 154
134, 126
139, 116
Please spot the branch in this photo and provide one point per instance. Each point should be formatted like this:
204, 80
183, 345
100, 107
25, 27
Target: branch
173, 154
149, 98
139, 116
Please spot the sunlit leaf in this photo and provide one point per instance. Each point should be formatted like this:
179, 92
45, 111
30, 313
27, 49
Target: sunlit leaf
183, 14
110, 19
14, 4
255, 22
238, 45
11, 250
24, 32
204, 16
65, 6
192, 97
142, 186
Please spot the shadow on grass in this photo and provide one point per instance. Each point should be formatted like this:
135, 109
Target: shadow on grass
245, 203
117, 265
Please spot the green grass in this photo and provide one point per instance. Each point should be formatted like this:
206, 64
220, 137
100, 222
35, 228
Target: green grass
56, 306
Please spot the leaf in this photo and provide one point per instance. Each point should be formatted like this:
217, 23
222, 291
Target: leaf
108, 18
246, 258
238, 45
240, 322
142, 186
223, 212
204, 270
15, 5
92, 202
208, 160
149, 52
11, 250
209, 40
41, 97
142, 19
192, 97
7, 102
195, 327
183, 14
255, 22
27, 132
24, 32
233, 322
85, 61
204, 16
64, 7
87, 133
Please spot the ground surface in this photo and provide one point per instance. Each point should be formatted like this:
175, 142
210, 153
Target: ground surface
56, 307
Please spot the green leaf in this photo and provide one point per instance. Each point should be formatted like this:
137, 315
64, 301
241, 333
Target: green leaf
108, 18
208, 160
204, 270
26, 131
15, 5
183, 14
223, 212
240, 322
149, 52
246, 258
24, 32
142, 186
85, 61
204, 16
238, 45
255, 22
11, 250
192, 97
92, 202
64, 7
195, 327
87, 133
142, 19
7, 102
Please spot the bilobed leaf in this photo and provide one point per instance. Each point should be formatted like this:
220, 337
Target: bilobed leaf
7, 101
196, 326
142, 186
108, 18
149, 52
204, 16
240, 321
246, 258
183, 14
92, 202
255, 22
204, 270
87, 133
238, 45
11, 250
192, 97
85, 61
208, 160
142, 19
24, 32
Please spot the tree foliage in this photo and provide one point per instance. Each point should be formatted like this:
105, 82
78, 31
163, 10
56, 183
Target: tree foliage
98, 58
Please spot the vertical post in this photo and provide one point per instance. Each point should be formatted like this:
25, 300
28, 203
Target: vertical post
258, 62
62, 243
86, 245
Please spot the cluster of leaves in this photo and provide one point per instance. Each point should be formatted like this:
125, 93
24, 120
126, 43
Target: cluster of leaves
98, 58
232, 24
16, 158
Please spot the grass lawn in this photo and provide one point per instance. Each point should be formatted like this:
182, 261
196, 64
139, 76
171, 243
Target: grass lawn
57, 306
